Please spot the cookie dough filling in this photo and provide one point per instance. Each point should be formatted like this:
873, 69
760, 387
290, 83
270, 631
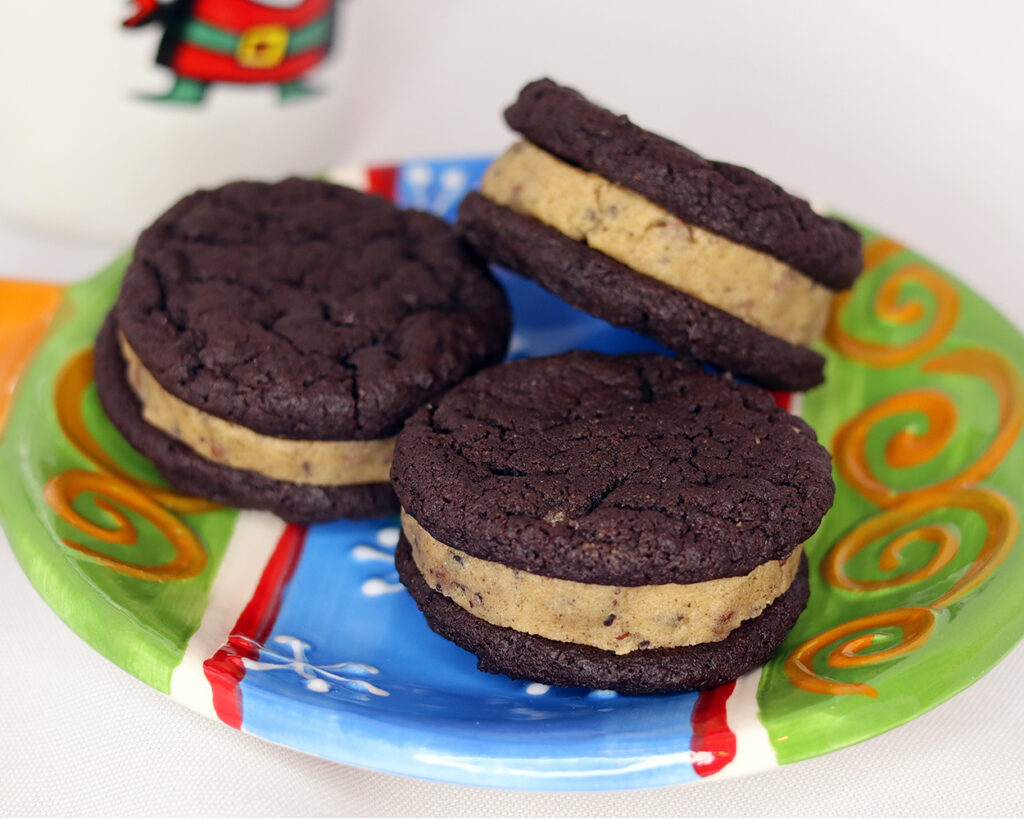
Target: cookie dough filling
320, 463
619, 619
614, 220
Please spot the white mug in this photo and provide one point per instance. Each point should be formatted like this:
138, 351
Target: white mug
110, 112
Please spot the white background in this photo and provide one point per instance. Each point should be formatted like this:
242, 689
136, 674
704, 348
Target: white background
908, 116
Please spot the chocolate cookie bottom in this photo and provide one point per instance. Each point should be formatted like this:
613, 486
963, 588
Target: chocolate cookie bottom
190, 472
603, 287
524, 656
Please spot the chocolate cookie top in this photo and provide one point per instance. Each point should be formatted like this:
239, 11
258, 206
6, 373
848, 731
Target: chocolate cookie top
307, 310
726, 199
618, 470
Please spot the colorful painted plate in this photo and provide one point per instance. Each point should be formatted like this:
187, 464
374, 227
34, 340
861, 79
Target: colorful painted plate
305, 637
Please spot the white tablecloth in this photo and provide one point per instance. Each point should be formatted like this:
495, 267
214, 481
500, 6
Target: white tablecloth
908, 116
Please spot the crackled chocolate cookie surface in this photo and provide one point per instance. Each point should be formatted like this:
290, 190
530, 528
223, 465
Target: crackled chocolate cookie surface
622, 470
612, 506
285, 331
307, 310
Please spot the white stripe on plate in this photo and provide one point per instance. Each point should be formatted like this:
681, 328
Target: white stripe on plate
251, 544
796, 404
354, 176
754, 751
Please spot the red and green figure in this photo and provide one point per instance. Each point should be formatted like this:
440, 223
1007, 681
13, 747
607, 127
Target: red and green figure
238, 41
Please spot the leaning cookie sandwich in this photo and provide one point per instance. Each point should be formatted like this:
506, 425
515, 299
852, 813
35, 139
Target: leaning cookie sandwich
710, 259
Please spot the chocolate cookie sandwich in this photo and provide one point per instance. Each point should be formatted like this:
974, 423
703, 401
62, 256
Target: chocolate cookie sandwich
269, 340
619, 522
708, 258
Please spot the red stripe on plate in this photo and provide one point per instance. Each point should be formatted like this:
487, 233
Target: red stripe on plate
711, 732
225, 669
383, 181
783, 399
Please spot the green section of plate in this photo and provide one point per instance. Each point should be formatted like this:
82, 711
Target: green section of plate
972, 634
141, 625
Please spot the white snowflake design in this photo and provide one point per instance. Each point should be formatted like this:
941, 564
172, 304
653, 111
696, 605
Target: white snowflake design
452, 183
382, 551
318, 678
539, 690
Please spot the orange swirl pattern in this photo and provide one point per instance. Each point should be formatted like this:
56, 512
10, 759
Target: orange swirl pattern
902, 507
113, 485
907, 448
891, 306
915, 625
62, 491
1001, 527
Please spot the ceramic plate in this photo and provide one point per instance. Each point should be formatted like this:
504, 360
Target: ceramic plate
304, 636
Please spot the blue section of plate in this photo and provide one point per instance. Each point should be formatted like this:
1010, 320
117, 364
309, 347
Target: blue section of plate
351, 671
439, 185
